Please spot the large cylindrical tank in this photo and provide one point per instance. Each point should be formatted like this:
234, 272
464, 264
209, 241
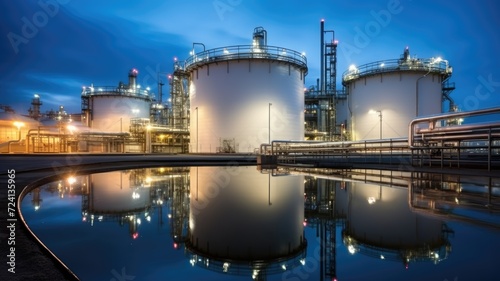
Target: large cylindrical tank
109, 109
383, 97
111, 112
240, 93
240, 215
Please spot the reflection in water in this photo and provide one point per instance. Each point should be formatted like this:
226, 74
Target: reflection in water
118, 196
244, 222
380, 224
241, 221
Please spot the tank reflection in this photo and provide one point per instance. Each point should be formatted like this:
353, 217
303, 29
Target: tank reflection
237, 220
381, 224
245, 222
121, 196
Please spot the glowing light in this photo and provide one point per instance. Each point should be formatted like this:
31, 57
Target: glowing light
135, 235
382, 64
135, 195
255, 273
283, 267
371, 200
18, 124
176, 245
225, 267
382, 257
226, 52
351, 249
352, 68
302, 261
36, 96
71, 180
71, 128
36, 208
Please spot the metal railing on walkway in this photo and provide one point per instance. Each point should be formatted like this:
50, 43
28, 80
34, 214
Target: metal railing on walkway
430, 143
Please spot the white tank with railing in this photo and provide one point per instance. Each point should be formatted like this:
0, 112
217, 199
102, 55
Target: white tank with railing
109, 109
238, 94
384, 96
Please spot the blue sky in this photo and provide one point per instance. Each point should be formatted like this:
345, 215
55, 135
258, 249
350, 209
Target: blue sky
54, 47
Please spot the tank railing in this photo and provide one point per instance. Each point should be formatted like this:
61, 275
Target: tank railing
124, 91
246, 52
431, 65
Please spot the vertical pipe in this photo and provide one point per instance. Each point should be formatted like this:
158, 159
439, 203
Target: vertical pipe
322, 56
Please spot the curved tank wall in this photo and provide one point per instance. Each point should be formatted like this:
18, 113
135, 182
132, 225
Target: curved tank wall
112, 112
393, 94
380, 216
115, 193
230, 101
241, 214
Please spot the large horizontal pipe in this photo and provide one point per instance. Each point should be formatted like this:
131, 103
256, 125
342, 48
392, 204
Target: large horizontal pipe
433, 118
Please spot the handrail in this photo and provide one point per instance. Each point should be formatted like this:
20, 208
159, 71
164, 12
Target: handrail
432, 119
384, 66
246, 52
125, 91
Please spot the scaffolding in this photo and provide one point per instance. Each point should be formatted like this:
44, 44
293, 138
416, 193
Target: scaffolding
320, 101
179, 95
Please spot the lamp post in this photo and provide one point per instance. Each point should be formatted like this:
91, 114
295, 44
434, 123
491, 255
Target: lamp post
269, 125
380, 119
197, 135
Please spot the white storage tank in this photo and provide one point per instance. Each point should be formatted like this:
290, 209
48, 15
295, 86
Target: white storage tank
239, 94
384, 96
109, 109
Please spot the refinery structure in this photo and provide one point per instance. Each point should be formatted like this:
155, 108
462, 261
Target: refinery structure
233, 99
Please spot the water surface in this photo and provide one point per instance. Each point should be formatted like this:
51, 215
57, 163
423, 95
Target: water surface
239, 223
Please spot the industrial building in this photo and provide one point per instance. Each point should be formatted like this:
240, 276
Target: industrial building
233, 99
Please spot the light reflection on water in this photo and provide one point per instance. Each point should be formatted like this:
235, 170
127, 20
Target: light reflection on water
238, 223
